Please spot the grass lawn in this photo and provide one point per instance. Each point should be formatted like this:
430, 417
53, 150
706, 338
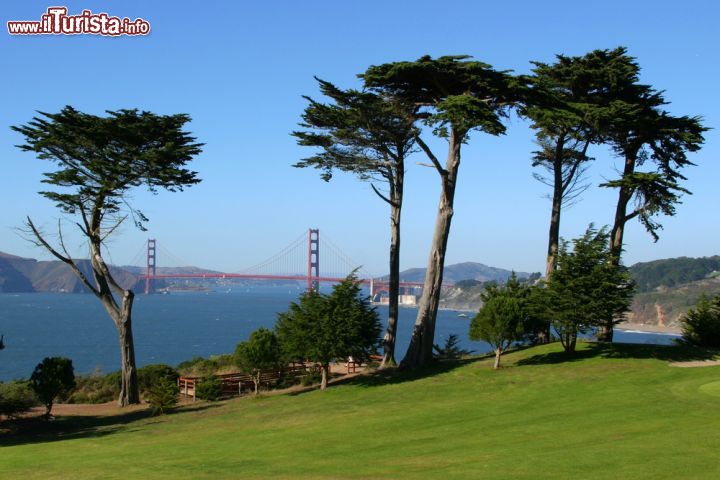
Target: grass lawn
608, 412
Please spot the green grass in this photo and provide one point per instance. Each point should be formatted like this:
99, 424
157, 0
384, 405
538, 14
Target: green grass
607, 412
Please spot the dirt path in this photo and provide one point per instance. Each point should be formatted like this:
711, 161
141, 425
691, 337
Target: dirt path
695, 363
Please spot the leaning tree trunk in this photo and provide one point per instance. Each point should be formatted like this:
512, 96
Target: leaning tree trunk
625, 193
498, 354
394, 282
420, 350
129, 393
122, 317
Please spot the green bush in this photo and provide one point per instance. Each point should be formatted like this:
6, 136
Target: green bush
53, 377
202, 367
209, 388
701, 325
150, 375
311, 378
16, 398
162, 395
96, 388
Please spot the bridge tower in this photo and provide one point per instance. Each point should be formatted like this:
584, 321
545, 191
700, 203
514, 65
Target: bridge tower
150, 270
313, 271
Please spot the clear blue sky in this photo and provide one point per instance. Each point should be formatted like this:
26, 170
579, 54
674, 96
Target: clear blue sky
240, 68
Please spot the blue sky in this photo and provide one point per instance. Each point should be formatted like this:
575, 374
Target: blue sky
240, 68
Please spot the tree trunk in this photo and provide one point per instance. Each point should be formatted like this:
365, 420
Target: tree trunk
553, 240
498, 353
394, 288
122, 317
557, 199
325, 374
569, 340
605, 331
129, 392
256, 382
420, 351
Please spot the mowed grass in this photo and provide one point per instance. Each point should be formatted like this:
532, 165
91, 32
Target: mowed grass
607, 412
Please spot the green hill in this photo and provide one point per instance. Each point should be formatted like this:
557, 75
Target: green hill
608, 412
671, 272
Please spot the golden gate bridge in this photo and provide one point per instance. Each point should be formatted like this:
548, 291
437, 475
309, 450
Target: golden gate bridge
299, 261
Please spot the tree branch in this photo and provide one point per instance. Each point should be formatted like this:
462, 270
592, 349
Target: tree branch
377, 192
112, 229
436, 163
65, 259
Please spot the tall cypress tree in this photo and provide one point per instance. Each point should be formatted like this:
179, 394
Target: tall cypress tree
456, 95
653, 145
100, 160
371, 136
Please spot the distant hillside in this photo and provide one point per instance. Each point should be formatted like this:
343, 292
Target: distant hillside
12, 278
665, 306
672, 272
19, 274
168, 270
463, 271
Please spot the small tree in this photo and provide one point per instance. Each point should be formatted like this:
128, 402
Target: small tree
322, 328
100, 160
451, 350
260, 352
501, 320
162, 395
701, 325
587, 288
54, 376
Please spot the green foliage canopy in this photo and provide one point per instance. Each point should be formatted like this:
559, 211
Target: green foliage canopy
588, 288
101, 158
701, 325
322, 328
52, 377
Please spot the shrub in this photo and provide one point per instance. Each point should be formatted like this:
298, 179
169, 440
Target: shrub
209, 388
162, 395
54, 376
96, 388
311, 378
202, 367
150, 375
701, 325
16, 398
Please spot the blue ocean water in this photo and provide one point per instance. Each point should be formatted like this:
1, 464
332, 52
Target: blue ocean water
173, 328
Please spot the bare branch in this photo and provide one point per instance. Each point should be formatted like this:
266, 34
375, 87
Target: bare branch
377, 192
65, 259
113, 228
436, 163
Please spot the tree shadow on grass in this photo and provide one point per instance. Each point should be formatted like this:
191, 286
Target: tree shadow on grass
670, 353
30, 430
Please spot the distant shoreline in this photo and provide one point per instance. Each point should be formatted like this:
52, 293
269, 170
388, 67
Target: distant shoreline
624, 326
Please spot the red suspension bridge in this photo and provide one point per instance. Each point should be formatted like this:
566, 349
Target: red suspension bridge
299, 261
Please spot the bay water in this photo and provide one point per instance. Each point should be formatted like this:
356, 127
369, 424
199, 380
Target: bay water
176, 327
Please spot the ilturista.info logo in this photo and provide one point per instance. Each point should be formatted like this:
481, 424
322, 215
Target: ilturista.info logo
56, 21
